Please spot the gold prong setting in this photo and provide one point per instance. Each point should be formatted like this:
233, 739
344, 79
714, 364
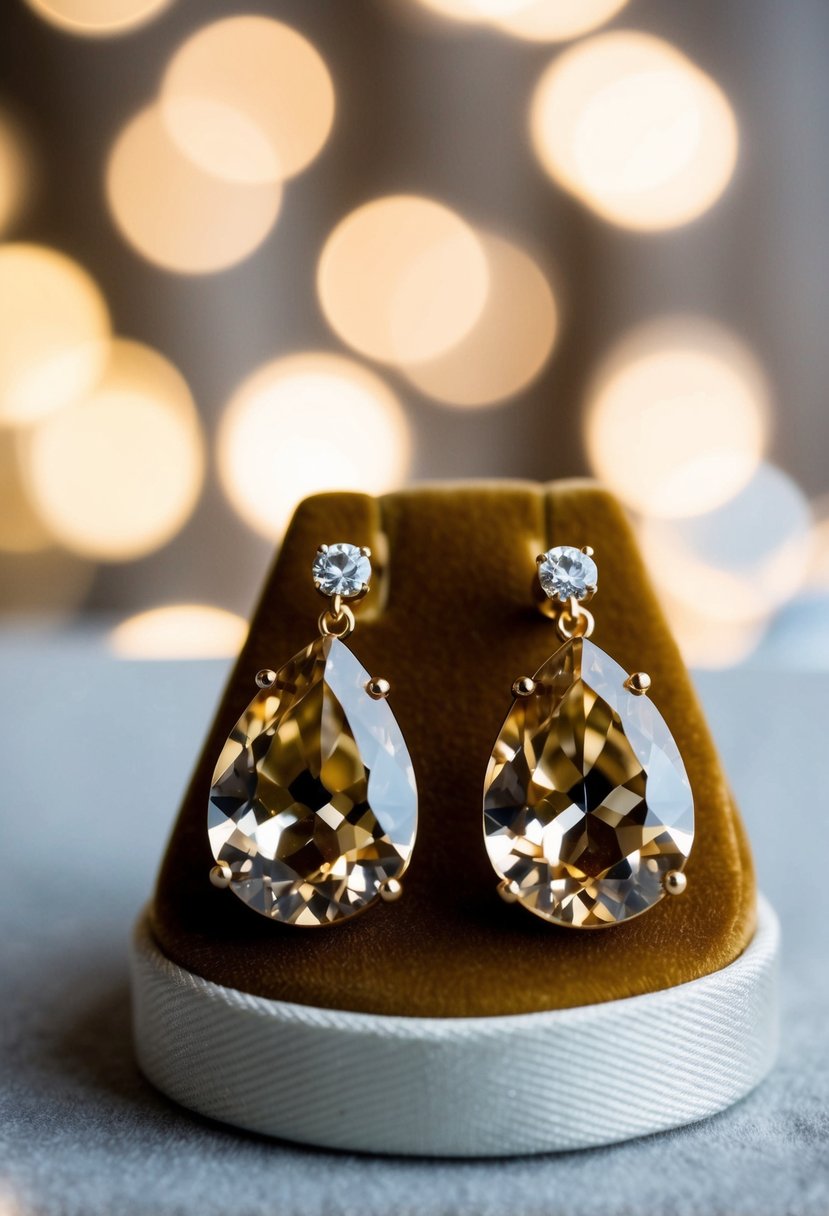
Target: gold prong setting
390, 890
265, 678
639, 683
221, 875
378, 688
524, 686
675, 882
342, 569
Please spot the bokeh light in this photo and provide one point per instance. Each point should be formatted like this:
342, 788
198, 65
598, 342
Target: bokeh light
176, 214
116, 475
180, 631
249, 99
557, 20
709, 643
678, 417
742, 561
533, 20
97, 18
510, 342
303, 424
54, 329
402, 279
14, 171
630, 126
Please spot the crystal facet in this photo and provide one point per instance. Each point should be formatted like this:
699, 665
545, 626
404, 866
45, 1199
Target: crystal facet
341, 569
313, 803
565, 572
587, 805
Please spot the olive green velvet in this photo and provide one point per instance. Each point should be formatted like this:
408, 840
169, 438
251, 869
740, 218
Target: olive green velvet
451, 622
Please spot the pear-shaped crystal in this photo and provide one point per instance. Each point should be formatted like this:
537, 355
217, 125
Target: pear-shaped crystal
313, 803
587, 805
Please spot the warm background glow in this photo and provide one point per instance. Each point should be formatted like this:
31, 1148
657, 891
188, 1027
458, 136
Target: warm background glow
175, 213
308, 423
508, 344
402, 279
248, 99
54, 326
631, 127
250, 255
180, 631
678, 417
116, 475
94, 18
534, 20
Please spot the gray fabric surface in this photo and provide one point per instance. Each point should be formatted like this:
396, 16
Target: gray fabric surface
96, 753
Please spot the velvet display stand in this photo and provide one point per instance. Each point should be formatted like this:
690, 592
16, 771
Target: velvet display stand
400, 1030
451, 622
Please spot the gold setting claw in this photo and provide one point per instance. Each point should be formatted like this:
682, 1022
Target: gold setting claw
524, 686
265, 678
674, 882
378, 688
221, 875
639, 683
508, 891
390, 890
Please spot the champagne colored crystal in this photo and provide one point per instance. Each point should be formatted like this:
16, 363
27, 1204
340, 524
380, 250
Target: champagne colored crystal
587, 805
313, 802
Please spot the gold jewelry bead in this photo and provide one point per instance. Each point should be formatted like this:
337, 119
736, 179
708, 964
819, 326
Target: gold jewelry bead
391, 890
524, 686
639, 683
675, 882
265, 678
378, 688
221, 875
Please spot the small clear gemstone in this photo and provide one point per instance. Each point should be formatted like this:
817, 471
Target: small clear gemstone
567, 572
341, 570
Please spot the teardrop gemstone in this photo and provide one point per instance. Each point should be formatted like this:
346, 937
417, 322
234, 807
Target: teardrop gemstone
587, 805
313, 802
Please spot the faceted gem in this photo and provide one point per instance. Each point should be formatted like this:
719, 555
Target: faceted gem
566, 572
587, 805
313, 803
341, 569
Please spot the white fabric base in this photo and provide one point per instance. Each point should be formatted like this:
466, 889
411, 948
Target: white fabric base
459, 1087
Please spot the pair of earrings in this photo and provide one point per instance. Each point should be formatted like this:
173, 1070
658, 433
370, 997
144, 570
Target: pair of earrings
588, 813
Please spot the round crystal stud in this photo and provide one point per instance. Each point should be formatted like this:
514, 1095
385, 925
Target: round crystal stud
341, 569
566, 572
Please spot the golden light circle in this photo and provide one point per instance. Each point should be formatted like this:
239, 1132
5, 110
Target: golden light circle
402, 279
303, 424
630, 126
557, 20
177, 215
248, 99
478, 11
677, 418
116, 475
741, 561
180, 631
54, 328
510, 342
97, 18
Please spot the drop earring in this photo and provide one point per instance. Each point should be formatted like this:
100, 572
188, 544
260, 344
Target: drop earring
312, 814
588, 812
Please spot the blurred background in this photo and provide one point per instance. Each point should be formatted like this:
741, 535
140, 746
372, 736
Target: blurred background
252, 251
